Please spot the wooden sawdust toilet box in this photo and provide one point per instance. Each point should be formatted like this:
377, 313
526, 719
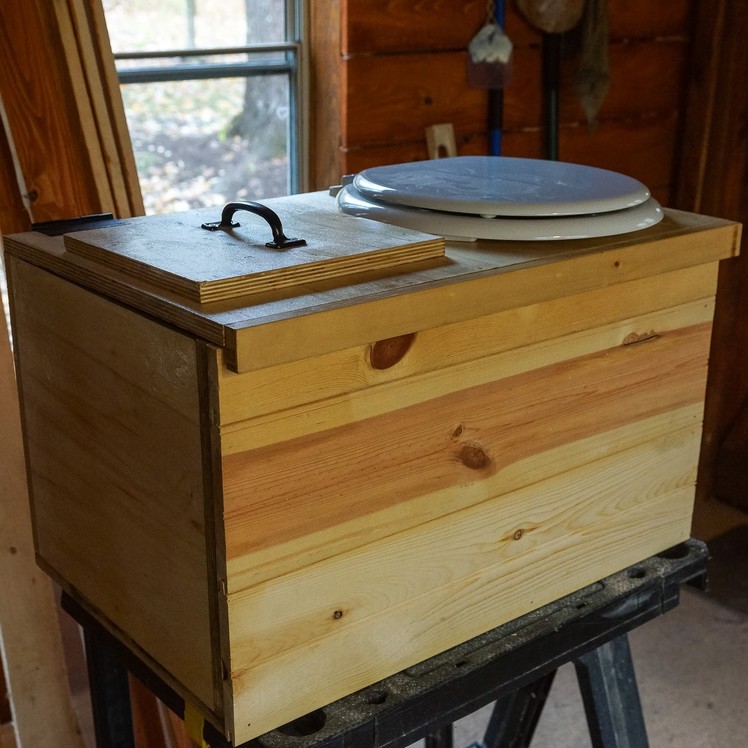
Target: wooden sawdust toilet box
280, 485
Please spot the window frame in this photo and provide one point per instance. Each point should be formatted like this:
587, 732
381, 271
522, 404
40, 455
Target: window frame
291, 65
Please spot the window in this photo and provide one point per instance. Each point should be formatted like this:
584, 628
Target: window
211, 95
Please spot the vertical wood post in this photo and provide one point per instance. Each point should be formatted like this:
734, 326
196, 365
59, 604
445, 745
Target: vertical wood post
29, 632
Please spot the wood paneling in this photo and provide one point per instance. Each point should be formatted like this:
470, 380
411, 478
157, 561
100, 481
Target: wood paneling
402, 68
394, 97
637, 71
713, 178
378, 26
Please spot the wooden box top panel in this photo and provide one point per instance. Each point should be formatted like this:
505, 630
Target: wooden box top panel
471, 279
174, 253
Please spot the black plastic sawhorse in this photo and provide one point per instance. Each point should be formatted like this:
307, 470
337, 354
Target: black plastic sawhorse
512, 665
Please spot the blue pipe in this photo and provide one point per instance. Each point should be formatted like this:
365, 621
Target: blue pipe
496, 99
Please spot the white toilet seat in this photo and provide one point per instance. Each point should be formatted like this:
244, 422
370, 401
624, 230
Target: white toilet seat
484, 197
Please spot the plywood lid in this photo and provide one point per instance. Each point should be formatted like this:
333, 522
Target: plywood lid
174, 253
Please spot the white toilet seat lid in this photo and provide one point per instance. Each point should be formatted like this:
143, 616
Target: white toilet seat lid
465, 227
500, 186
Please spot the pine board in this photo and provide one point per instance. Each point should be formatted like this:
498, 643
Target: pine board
174, 253
466, 569
341, 373
280, 495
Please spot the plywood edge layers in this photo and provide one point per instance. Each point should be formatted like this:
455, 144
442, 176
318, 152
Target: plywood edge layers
48, 253
214, 530
311, 269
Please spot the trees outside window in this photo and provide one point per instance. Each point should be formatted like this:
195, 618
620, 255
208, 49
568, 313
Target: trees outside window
210, 92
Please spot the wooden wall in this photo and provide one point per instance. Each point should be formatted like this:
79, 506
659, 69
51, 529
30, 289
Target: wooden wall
385, 70
713, 179
63, 121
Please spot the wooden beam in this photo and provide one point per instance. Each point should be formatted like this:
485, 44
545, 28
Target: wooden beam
712, 180
13, 214
64, 110
29, 633
325, 84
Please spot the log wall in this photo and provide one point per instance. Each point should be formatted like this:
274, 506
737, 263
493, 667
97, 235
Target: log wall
383, 71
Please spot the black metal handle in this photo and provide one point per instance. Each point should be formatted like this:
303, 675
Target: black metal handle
280, 240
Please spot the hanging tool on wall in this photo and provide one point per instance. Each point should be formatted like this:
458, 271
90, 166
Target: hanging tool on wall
592, 78
553, 18
490, 67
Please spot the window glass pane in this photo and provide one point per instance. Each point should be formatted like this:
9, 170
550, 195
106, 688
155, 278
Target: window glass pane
152, 25
208, 142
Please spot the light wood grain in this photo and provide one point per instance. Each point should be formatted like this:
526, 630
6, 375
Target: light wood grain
366, 402
380, 522
30, 637
459, 576
246, 396
284, 492
112, 428
449, 551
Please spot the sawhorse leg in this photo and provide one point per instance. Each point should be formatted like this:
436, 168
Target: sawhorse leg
110, 695
515, 717
611, 697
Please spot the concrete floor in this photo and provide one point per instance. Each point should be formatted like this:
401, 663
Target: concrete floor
692, 670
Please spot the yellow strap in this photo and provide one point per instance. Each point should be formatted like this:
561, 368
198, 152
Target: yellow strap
193, 722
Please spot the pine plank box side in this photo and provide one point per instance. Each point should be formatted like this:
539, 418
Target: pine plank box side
278, 499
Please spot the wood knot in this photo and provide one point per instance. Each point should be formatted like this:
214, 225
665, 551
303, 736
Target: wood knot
518, 534
337, 614
639, 337
474, 457
388, 352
